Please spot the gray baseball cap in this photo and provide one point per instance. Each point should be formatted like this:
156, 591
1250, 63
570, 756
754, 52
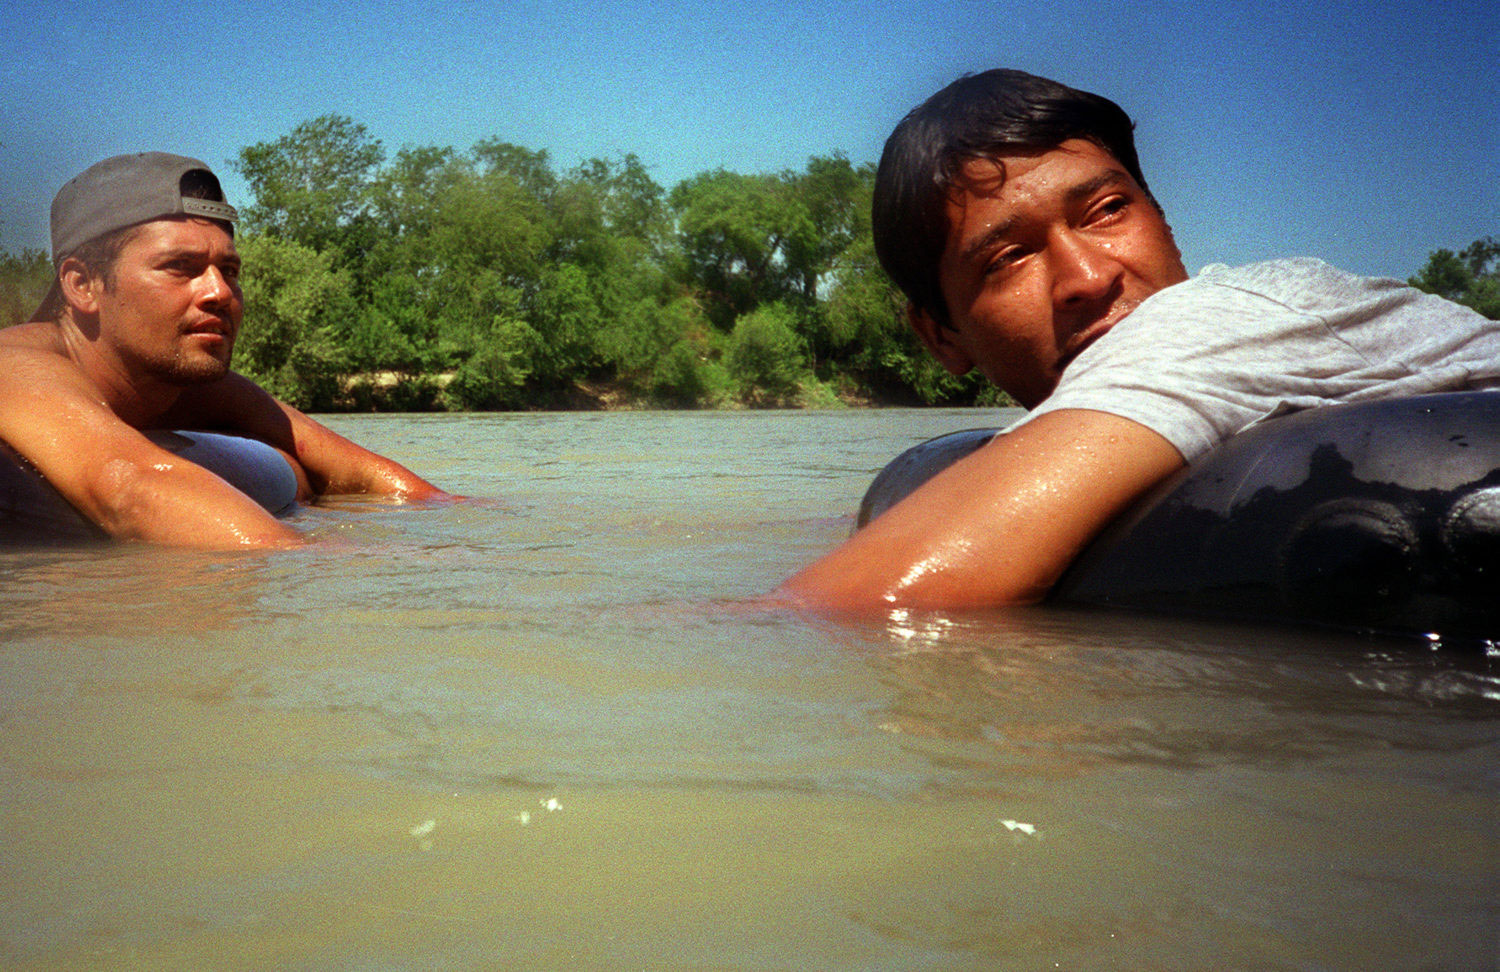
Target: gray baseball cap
125, 190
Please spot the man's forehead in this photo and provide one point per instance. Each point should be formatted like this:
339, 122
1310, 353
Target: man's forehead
981, 211
182, 232
987, 175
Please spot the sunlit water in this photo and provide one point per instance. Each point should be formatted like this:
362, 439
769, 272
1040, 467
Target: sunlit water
542, 730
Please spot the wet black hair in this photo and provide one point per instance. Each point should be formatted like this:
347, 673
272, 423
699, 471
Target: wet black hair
977, 116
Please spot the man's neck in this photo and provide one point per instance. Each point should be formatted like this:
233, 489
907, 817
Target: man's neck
139, 400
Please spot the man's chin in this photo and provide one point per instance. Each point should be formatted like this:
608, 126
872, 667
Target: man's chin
200, 372
209, 374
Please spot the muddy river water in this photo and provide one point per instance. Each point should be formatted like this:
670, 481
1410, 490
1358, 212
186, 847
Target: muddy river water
542, 730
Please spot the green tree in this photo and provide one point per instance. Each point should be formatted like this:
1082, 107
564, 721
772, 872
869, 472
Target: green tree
1470, 277
462, 241
876, 350
495, 376
568, 319
394, 330
767, 357
528, 168
686, 375
836, 199
24, 281
734, 231
636, 207
295, 307
609, 213
313, 185
402, 193
489, 220
610, 225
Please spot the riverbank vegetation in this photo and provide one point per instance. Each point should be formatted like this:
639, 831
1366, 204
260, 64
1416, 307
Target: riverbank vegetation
436, 279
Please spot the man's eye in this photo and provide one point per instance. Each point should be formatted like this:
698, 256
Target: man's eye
1112, 206
1005, 259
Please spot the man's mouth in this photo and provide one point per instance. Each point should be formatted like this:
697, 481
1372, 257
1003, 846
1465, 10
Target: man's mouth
1081, 341
212, 327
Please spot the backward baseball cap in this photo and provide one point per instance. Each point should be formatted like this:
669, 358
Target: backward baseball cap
125, 190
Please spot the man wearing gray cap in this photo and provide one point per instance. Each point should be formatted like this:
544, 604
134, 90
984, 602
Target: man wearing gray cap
136, 335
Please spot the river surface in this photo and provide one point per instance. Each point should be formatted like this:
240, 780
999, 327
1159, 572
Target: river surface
542, 730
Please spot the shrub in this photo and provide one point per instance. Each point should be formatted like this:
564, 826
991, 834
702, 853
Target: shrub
495, 376
766, 356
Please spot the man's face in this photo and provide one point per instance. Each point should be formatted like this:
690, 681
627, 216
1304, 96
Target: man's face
172, 305
1046, 252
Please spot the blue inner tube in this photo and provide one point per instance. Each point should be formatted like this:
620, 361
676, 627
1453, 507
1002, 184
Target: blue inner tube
33, 512
1378, 516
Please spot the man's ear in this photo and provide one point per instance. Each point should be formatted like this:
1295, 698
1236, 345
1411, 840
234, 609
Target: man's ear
80, 289
939, 340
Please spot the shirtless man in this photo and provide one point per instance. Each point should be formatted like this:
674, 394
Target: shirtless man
1012, 212
136, 334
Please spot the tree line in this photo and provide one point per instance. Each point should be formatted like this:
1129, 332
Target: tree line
486, 279
439, 279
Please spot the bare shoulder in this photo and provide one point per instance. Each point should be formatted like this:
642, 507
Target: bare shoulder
33, 337
1001, 525
55, 416
48, 405
35, 367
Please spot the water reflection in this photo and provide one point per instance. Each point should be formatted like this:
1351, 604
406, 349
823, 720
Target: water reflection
198, 751
125, 588
1029, 689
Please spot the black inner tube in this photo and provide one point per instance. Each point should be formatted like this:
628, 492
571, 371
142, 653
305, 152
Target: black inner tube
1377, 516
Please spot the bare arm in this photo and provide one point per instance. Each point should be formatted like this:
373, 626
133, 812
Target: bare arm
998, 527
113, 474
333, 464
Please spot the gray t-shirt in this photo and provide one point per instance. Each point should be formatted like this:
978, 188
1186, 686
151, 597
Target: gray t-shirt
1201, 360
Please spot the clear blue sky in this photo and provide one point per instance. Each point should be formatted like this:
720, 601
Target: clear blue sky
1366, 133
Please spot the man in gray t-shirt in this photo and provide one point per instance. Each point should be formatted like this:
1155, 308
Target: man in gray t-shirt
1012, 212
1200, 361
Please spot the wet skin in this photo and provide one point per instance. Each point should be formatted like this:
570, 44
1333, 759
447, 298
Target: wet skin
145, 346
169, 311
1046, 252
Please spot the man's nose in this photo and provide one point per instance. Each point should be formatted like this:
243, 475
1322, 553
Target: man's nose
1083, 270
214, 287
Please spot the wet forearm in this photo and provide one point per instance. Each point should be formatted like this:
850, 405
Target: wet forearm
178, 503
